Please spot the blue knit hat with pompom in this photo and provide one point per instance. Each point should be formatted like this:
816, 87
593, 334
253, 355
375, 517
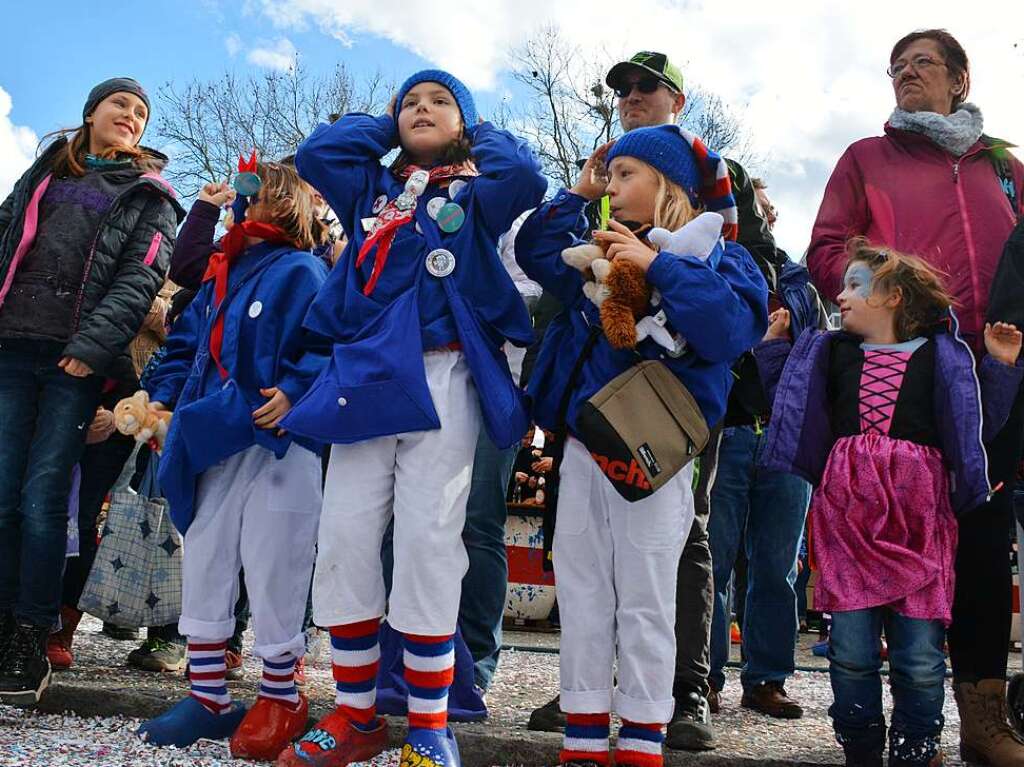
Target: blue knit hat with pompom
461, 93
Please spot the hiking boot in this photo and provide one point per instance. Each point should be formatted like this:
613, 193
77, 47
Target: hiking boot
233, 663
547, 718
300, 673
58, 646
335, 742
985, 735
24, 668
120, 633
690, 728
7, 626
770, 698
159, 656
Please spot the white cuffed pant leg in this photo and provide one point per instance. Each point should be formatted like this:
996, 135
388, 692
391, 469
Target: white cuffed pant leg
423, 479
260, 513
616, 565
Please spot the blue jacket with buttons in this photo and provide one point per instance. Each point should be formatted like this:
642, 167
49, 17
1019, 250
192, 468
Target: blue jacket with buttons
720, 310
343, 162
270, 289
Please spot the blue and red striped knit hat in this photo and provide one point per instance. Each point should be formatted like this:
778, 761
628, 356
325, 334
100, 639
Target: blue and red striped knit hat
685, 160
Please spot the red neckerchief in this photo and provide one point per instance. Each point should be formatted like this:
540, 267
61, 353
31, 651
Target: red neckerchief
390, 219
217, 270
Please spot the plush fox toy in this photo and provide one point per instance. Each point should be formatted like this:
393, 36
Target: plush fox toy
620, 289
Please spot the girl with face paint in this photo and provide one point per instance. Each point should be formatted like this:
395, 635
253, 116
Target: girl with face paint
882, 410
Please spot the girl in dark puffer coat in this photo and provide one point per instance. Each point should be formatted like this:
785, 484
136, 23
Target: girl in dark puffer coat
85, 240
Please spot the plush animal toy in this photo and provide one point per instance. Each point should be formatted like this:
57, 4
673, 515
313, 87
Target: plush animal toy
620, 289
135, 417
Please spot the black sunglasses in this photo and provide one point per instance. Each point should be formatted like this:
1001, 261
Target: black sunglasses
644, 85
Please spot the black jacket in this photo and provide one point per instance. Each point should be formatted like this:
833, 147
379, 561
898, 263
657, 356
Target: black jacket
117, 286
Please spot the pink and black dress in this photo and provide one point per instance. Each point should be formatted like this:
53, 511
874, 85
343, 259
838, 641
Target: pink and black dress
883, 532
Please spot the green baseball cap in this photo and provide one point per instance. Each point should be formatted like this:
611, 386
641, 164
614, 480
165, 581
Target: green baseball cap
650, 61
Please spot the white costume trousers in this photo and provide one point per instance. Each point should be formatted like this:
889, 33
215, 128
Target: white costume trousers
422, 478
260, 513
616, 565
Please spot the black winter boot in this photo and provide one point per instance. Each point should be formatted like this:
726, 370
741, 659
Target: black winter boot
24, 668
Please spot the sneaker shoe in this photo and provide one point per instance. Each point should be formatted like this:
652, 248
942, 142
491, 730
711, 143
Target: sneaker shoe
233, 661
436, 748
269, 728
1015, 702
690, 728
714, 699
547, 718
158, 655
734, 633
770, 698
188, 721
820, 649
120, 633
335, 742
24, 668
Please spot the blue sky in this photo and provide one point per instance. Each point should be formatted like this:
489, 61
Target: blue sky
807, 79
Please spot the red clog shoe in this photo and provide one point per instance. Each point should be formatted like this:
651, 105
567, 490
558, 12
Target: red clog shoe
335, 742
269, 728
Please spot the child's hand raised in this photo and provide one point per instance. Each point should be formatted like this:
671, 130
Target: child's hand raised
1003, 341
217, 194
593, 178
270, 414
778, 325
625, 245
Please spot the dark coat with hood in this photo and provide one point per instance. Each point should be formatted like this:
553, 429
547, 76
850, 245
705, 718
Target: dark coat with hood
126, 265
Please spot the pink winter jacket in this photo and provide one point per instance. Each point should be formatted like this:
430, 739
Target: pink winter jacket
904, 191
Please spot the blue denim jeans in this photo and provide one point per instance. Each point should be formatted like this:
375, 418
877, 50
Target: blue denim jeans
486, 580
768, 510
44, 416
917, 668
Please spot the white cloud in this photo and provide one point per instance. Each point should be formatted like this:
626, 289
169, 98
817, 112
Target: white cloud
809, 79
17, 147
279, 55
233, 44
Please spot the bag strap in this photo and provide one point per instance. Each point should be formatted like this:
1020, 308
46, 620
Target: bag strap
149, 485
561, 434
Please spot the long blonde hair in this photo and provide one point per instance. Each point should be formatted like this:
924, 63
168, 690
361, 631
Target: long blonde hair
672, 206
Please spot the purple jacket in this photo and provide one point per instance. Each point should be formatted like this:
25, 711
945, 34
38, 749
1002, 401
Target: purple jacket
970, 407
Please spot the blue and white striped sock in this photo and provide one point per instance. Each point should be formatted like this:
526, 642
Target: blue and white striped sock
278, 682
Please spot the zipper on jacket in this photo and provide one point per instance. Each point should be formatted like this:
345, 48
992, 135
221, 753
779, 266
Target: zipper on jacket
972, 255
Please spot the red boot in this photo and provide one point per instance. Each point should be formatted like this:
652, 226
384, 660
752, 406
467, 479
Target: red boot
335, 742
268, 729
58, 646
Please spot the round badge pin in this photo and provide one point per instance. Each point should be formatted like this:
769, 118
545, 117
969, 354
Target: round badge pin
455, 187
405, 201
379, 203
417, 182
451, 217
434, 205
440, 262
255, 308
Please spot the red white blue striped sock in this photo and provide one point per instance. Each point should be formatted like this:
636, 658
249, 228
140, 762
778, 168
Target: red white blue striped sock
355, 654
586, 738
640, 745
429, 671
278, 682
206, 670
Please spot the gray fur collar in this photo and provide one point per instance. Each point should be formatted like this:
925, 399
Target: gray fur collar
956, 133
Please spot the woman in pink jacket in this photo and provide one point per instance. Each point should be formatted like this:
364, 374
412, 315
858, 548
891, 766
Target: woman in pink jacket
936, 186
